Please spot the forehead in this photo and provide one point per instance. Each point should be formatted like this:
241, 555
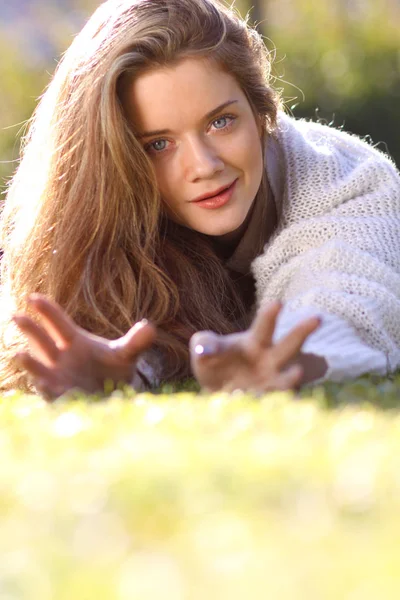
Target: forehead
179, 95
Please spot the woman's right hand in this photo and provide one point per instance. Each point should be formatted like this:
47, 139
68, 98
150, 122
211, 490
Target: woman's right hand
65, 356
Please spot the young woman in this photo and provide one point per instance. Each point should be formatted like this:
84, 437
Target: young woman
161, 180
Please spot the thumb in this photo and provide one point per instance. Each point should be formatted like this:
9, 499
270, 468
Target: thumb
205, 344
138, 339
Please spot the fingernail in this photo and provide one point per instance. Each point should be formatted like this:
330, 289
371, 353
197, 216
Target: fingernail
144, 322
204, 350
275, 305
18, 358
33, 298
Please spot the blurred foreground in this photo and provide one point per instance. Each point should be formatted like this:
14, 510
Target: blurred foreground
186, 497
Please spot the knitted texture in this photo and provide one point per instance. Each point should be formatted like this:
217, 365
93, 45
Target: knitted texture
336, 250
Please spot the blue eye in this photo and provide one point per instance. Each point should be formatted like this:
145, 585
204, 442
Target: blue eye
158, 145
222, 122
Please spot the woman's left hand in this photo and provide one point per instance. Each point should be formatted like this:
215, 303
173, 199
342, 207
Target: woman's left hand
250, 361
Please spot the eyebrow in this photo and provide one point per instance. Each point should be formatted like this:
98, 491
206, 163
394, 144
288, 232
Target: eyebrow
209, 115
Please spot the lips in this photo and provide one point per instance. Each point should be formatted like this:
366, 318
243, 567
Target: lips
218, 200
214, 193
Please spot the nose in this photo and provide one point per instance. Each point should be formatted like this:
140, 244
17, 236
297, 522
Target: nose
200, 160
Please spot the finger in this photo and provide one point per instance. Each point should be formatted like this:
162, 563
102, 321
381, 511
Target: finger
291, 344
204, 344
38, 338
56, 321
42, 377
34, 367
263, 326
138, 339
208, 345
289, 379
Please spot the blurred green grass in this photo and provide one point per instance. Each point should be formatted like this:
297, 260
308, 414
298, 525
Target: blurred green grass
181, 495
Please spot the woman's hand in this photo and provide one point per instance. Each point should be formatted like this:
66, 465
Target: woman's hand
249, 361
64, 356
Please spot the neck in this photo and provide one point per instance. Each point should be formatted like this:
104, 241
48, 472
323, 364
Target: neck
226, 244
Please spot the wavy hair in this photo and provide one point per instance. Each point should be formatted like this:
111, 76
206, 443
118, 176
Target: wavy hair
83, 220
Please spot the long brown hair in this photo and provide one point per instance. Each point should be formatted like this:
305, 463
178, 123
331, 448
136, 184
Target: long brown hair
83, 220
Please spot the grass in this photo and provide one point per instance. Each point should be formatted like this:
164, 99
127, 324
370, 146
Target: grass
184, 496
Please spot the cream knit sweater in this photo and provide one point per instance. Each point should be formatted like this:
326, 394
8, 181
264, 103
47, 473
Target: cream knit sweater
336, 250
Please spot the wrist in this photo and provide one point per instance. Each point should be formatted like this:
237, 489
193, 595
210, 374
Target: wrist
314, 366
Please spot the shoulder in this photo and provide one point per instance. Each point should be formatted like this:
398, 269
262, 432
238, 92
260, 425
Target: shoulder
321, 168
325, 140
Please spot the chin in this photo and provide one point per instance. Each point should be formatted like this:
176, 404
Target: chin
216, 231
226, 227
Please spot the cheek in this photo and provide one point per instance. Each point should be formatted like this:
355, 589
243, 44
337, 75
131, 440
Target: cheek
167, 182
170, 186
253, 172
251, 154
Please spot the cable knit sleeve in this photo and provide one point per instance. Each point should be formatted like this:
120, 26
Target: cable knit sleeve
336, 252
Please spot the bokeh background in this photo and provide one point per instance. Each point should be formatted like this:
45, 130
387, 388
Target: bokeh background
338, 60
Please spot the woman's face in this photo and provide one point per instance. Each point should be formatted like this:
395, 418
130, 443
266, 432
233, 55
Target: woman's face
198, 128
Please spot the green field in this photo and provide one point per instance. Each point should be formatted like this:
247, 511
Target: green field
184, 496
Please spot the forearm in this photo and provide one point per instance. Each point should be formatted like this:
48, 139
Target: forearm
335, 343
147, 374
140, 382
